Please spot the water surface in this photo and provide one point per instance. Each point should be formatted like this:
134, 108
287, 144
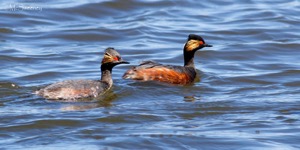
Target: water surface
246, 97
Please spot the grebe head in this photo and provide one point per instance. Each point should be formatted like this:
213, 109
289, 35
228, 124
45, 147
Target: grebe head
194, 43
112, 58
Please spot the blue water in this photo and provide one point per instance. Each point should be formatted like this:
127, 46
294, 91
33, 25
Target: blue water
246, 95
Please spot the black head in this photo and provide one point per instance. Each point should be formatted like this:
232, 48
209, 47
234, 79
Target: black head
195, 42
112, 57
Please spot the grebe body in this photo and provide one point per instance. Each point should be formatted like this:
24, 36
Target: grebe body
82, 89
152, 71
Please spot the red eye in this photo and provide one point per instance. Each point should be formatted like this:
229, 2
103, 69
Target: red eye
116, 58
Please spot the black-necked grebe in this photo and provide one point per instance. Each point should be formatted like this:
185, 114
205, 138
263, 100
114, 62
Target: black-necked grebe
186, 74
81, 89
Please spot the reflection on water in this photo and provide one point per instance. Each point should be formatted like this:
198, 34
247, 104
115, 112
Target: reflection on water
80, 106
102, 101
247, 98
191, 98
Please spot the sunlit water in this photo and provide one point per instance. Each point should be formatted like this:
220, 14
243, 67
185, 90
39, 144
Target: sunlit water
246, 97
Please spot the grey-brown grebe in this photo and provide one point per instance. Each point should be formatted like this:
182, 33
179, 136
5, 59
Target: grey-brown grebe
81, 89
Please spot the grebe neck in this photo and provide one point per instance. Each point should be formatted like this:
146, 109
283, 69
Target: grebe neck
106, 70
188, 58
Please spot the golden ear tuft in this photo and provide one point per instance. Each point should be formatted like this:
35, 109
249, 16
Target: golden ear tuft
107, 58
192, 45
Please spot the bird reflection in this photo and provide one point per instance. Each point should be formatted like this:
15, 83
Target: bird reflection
102, 101
191, 98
